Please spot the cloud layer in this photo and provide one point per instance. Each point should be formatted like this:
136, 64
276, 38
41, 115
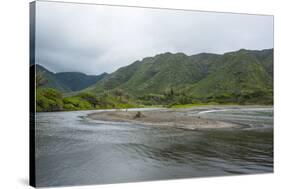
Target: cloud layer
94, 39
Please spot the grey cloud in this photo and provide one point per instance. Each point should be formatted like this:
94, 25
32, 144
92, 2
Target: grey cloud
95, 39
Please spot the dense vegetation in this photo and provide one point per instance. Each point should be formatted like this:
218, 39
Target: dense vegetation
48, 99
170, 80
67, 81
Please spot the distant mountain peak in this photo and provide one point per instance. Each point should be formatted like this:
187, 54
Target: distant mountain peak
68, 81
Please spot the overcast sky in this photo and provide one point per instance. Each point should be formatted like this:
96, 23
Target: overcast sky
94, 39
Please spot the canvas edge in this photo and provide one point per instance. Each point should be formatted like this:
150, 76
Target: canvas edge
32, 169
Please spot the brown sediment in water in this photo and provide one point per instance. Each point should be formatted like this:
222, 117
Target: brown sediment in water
173, 118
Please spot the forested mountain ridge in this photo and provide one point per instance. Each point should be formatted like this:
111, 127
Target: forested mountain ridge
67, 81
206, 76
240, 77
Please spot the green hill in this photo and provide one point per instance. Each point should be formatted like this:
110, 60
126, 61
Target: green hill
67, 81
50, 80
77, 81
156, 74
232, 76
171, 80
243, 76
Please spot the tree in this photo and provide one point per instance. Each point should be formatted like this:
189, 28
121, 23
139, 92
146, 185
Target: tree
119, 93
92, 99
48, 99
40, 80
172, 92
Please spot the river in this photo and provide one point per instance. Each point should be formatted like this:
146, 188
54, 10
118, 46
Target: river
72, 149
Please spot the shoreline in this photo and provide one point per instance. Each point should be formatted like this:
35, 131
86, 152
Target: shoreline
179, 118
171, 108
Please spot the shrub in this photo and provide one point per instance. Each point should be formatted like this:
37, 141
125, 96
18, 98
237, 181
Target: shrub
76, 103
48, 99
92, 99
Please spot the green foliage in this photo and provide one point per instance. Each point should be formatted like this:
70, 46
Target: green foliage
192, 105
76, 103
65, 81
50, 81
241, 77
169, 80
117, 99
152, 99
76, 81
39, 79
48, 99
90, 98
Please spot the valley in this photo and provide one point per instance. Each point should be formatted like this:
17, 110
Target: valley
243, 77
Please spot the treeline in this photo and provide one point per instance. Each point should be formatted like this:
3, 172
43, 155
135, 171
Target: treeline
172, 98
48, 100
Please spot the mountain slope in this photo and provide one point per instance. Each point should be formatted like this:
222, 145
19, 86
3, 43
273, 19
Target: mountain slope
205, 75
242, 74
68, 81
77, 81
50, 79
156, 74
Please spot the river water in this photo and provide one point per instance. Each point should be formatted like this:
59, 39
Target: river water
71, 149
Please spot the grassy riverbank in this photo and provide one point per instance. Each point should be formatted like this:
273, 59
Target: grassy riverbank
49, 99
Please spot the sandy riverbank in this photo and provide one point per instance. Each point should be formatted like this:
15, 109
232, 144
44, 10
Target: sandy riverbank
176, 118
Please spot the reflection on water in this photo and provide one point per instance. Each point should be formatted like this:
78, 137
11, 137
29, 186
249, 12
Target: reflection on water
73, 150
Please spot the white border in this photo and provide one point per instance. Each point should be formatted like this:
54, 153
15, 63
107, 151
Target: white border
14, 22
